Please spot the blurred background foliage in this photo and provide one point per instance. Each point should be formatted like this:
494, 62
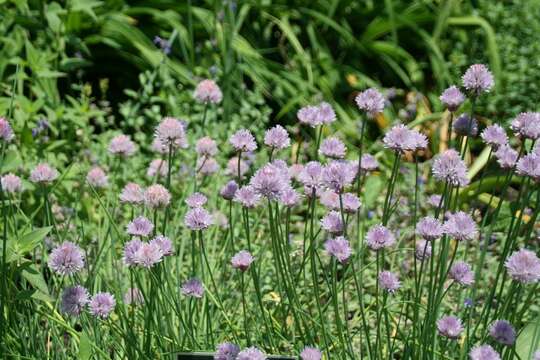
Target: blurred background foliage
88, 65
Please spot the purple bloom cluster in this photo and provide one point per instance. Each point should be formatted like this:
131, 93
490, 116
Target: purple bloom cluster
388, 281
484, 352
494, 136
371, 101
452, 98
6, 133
102, 304
401, 139
122, 145
339, 248
242, 260
192, 288
66, 259
315, 115
277, 138
523, 266
450, 327
478, 79
379, 237
449, 167
207, 91
460, 226
243, 141
527, 125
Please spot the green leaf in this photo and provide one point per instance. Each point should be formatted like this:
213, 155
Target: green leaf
85, 347
26, 243
35, 278
528, 340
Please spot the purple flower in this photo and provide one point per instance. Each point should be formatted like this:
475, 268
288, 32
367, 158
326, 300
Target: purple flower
66, 259
434, 200
206, 147
97, 178
351, 203
132, 194
229, 190
317, 115
450, 327
164, 243
156, 196
379, 237
11, 183
140, 226
157, 167
536, 355
130, 249
289, 197
527, 125
449, 167
529, 165
401, 139
193, 288
332, 147
461, 273
329, 199
102, 304
74, 299
197, 219
232, 167
503, 332
6, 133
308, 115
247, 196
460, 226
243, 141
270, 181
337, 175
388, 281
196, 200
523, 266
484, 352
339, 248
122, 145
310, 353
477, 79
163, 44
494, 136
464, 126
207, 91
295, 170
207, 166
326, 114
452, 98
422, 250
251, 353
311, 176
226, 351
133, 296
332, 223
506, 156
44, 174
429, 228
371, 101
277, 138
171, 132
242, 260
148, 255
368, 163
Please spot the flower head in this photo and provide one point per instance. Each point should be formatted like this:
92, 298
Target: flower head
450, 327
229, 190
449, 167
434, 200
461, 273
400, 138
422, 250
206, 147
351, 203
148, 254
193, 288
332, 222
326, 114
102, 304
11, 183
164, 244
122, 145
132, 193
452, 98
484, 352
277, 138
270, 181
388, 281
130, 249
368, 163
74, 299
196, 200
465, 126
171, 132
503, 332
207, 166
337, 175
494, 136
44, 174
232, 167
243, 141
527, 125
310, 353
429, 228
379, 237
289, 197
157, 196
251, 353
461, 226
478, 79
339, 248
311, 176
140, 226
226, 351
506, 157
66, 259
529, 165
157, 167
242, 260
198, 219
6, 133
333, 148
317, 115
523, 266
371, 101
207, 91
247, 197
97, 178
